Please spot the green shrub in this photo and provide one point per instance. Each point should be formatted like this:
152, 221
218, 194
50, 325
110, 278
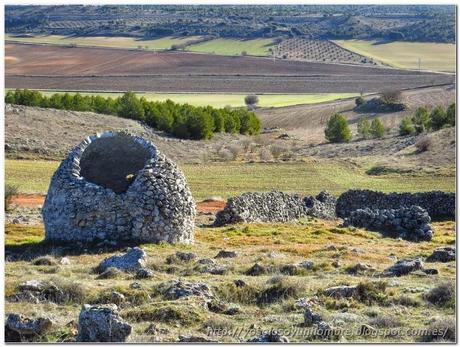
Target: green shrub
406, 127
442, 295
377, 128
359, 101
451, 114
337, 129
438, 118
364, 128
421, 120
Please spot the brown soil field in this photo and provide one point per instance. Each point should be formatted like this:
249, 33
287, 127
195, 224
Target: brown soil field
48, 67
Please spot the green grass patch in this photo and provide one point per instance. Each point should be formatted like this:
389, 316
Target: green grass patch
221, 100
163, 43
433, 56
233, 47
230, 179
16, 234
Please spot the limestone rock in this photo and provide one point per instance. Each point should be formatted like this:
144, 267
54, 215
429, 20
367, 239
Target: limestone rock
132, 260
144, 273
341, 291
101, 323
256, 270
443, 254
176, 289
226, 254
27, 326
404, 267
271, 336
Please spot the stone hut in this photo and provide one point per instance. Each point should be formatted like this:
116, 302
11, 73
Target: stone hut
117, 187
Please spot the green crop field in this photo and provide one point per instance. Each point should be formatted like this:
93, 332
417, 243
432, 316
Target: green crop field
233, 47
229, 179
103, 41
433, 56
222, 100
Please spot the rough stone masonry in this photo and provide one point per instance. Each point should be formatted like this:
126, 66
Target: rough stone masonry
117, 187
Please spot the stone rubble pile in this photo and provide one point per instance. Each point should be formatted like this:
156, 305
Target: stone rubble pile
409, 223
439, 205
275, 207
118, 187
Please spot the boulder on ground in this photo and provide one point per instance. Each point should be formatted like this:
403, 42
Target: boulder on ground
132, 260
310, 317
27, 326
101, 323
443, 254
144, 273
404, 267
176, 289
180, 256
256, 270
226, 254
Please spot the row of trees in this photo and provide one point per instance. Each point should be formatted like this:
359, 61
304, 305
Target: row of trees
423, 121
338, 130
182, 120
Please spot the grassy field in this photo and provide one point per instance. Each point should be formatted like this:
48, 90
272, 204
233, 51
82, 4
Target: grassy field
231, 179
433, 56
222, 100
103, 41
233, 47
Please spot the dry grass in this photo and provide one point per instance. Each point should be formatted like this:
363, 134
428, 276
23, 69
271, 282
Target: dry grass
267, 300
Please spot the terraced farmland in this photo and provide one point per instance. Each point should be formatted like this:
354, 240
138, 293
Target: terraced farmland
318, 51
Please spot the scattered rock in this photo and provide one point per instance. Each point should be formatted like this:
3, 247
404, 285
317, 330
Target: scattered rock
359, 269
176, 289
310, 317
341, 291
226, 254
306, 264
132, 260
206, 261
256, 270
239, 283
117, 298
404, 267
181, 257
27, 326
431, 271
213, 269
289, 269
144, 273
101, 323
135, 285
443, 254
108, 273
32, 285
195, 339
64, 261
271, 336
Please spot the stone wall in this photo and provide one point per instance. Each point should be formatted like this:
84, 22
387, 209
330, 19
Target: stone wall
116, 187
409, 223
439, 205
275, 207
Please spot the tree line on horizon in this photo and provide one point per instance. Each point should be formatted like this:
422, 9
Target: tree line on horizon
181, 120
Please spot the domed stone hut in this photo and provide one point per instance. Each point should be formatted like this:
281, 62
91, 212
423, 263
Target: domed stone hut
118, 187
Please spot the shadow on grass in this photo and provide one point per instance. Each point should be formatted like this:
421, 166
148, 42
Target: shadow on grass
32, 250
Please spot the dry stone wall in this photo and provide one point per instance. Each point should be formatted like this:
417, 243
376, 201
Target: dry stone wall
275, 207
439, 205
118, 187
409, 223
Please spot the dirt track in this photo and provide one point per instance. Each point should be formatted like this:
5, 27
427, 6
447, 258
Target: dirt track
34, 200
51, 67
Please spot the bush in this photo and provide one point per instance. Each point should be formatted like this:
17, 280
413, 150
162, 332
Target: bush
406, 127
359, 101
364, 128
391, 96
451, 114
377, 128
438, 118
337, 129
421, 120
423, 144
443, 295
442, 329
10, 191
251, 100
